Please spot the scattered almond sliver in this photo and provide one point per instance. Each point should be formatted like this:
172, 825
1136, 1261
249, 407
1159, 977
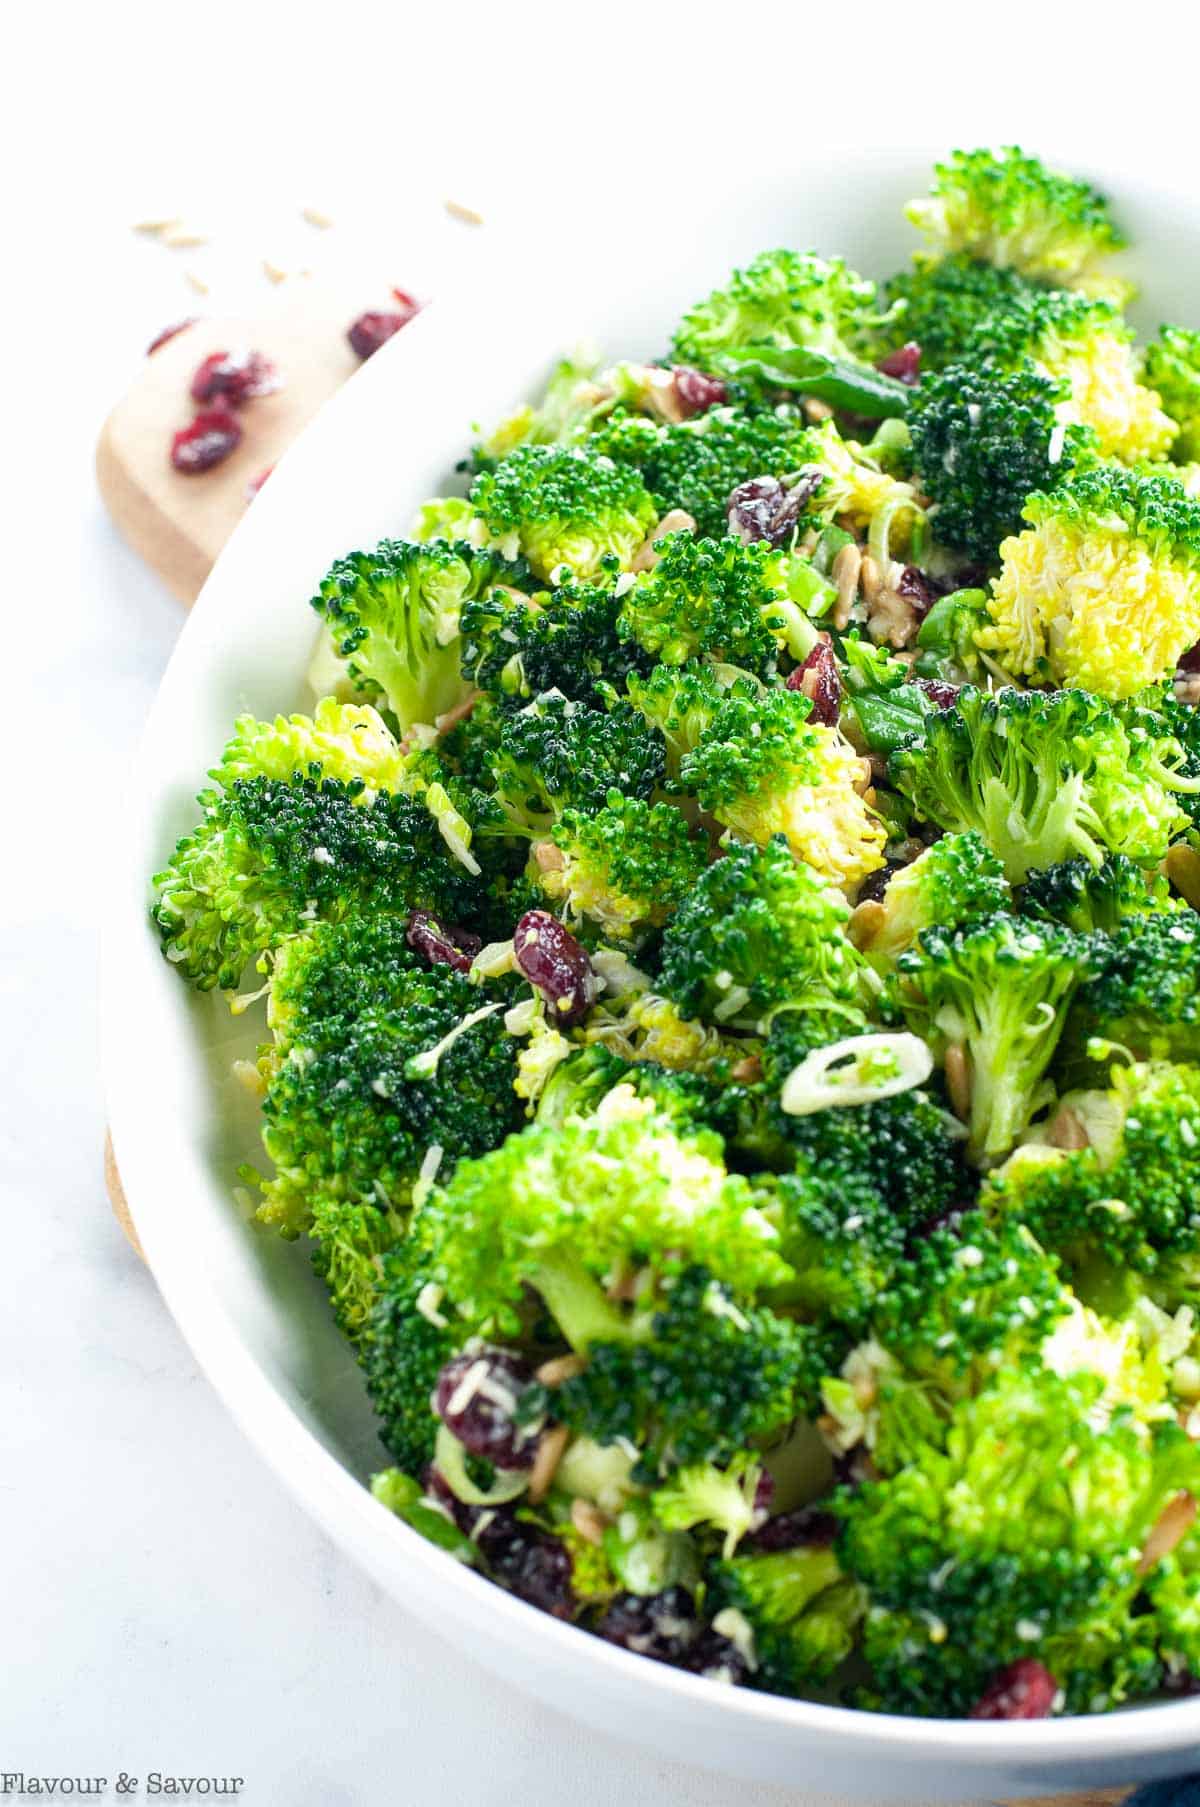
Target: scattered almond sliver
468, 215
316, 218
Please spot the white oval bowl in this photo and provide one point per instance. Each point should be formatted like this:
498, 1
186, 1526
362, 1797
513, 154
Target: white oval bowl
254, 1315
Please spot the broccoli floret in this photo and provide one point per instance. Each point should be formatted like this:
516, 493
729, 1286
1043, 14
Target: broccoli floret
1171, 366
1144, 994
570, 401
542, 1211
757, 764
800, 1609
303, 828
350, 1240
759, 929
1008, 209
348, 1118
568, 506
993, 996
564, 640
1085, 345
555, 754
626, 867
782, 298
406, 1343
1087, 897
1173, 1586
1044, 777
1013, 1534
708, 1378
705, 1498
1102, 589
1129, 1193
952, 882
392, 615
695, 465
945, 303
984, 439
722, 599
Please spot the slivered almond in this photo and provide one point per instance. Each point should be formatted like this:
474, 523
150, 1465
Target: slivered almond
1183, 870
958, 1079
588, 1520
1172, 1524
1065, 1129
560, 1368
866, 921
847, 567
550, 1448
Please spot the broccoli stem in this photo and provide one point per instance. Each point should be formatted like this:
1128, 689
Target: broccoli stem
578, 1304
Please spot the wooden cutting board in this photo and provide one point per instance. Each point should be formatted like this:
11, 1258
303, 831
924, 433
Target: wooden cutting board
179, 523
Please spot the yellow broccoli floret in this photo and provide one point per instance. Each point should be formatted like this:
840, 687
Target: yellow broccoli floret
824, 818
1102, 590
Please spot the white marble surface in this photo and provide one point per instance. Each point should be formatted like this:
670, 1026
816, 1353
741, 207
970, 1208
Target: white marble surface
164, 1604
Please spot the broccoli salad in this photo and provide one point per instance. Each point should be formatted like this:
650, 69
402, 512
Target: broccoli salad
728, 932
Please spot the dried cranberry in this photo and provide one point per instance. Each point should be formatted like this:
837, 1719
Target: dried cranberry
818, 679
214, 433
763, 509
256, 483
918, 589
662, 1626
904, 365
371, 330
1190, 660
552, 959
1025, 1690
530, 1563
442, 946
169, 332
698, 392
854, 1468
943, 695
807, 1528
477, 1396
717, 1658
236, 376
874, 886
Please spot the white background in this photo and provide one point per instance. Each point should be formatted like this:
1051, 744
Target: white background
163, 1604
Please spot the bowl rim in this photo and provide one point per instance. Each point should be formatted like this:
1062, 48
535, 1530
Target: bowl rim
339, 1502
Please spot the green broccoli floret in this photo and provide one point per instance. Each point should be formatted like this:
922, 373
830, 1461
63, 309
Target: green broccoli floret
1129, 1193
951, 883
1171, 366
301, 829
800, 1609
392, 615
568, 506
542, 1211
755, 761
1011, 1536
984, 439
1045, 776
1173, 1586
406, 1343
626, 867
347, 1115
1144, 992
944, 304
1102, 589
993, 996
760, 929
564, 639
555, 754
1087, 897
571, 400
724, 600
782, 298
1008, 209
350, 1240
695, 465
707, 1378
706, 1499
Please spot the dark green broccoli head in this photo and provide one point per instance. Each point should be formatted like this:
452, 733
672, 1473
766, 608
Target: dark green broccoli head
985, 437
272, 856
1087, 897
350, 1112
945, 304
1171, 366
1130, 1192
800, 1608
624, 867
393, 616
704, 1380
782, 298
759, 929
557, 754
955, 880
1046, 776
406, 1343
991, 997
1144, 993
696, 465
565, 640
566, 505
1012, 1535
